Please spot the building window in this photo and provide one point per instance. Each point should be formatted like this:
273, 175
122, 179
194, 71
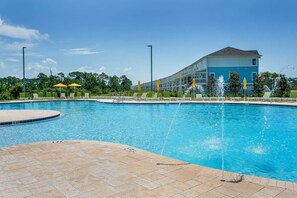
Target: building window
254, 61
254, 75
212, 74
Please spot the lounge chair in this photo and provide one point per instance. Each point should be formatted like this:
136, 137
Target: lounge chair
87, 95
40, 95
55, 94
266, 95
23, 96
143, 96
135, 95
293, 94
199, 97
188, 97
35, 96
71, 95
62, 95
78, 94
155, 96
49, 95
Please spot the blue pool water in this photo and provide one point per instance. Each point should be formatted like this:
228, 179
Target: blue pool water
259, 140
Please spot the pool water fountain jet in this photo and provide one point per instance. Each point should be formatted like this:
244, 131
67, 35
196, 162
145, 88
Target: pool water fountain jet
220, 95
173, 118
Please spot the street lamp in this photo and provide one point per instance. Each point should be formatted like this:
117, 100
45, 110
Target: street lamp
150, 46
24, 80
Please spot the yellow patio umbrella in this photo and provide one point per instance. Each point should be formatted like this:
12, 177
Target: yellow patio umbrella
194, 84
138, 87
60, 85
244, 83
74, 85
158, 85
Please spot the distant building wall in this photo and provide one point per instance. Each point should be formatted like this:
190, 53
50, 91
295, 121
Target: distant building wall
222, 62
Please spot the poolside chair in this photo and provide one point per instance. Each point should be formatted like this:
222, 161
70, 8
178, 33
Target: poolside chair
78, 94
155, 96
62, 95
55, 94
293, 94
40, 95
23, 96
199, 97
143, 96
135, 95
266, 95
87, 95
188, 97
49, 95
35, 96
71, 95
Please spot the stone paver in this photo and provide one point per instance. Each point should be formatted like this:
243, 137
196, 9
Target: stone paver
99, 169
20, 116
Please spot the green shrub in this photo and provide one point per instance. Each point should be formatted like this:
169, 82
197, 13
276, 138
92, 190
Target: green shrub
16, 90
5, 96
23, 95
172, 94
40, 94
166, 94
150, 94
179, 94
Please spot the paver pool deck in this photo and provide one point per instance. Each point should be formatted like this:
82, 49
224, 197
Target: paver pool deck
99, 169
20, 116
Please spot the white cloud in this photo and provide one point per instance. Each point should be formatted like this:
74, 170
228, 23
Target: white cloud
49, 61
2, 65
26, 54
35, 68
80, 51
18, 45
20, 32
12, 60
91, 69
127, 69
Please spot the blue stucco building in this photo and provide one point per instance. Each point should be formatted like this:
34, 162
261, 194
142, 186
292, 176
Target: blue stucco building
219, 63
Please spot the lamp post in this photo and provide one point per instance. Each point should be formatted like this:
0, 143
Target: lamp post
150, 46
24, 77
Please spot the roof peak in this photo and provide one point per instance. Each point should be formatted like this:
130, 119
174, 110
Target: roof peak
231, 51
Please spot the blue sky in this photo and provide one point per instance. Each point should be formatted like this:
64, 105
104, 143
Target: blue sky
111, 36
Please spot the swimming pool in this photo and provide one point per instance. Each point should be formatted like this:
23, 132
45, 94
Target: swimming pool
259, 139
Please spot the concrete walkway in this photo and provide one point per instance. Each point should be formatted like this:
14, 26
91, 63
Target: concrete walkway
21, 116
98, 169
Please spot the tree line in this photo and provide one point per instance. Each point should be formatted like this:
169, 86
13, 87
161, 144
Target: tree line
100, 84
97, 84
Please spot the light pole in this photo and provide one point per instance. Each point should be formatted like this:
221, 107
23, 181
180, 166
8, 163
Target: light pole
150, 46
24, 80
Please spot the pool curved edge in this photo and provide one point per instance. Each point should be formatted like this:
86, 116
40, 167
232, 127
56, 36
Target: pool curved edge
11, 117
134, 159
